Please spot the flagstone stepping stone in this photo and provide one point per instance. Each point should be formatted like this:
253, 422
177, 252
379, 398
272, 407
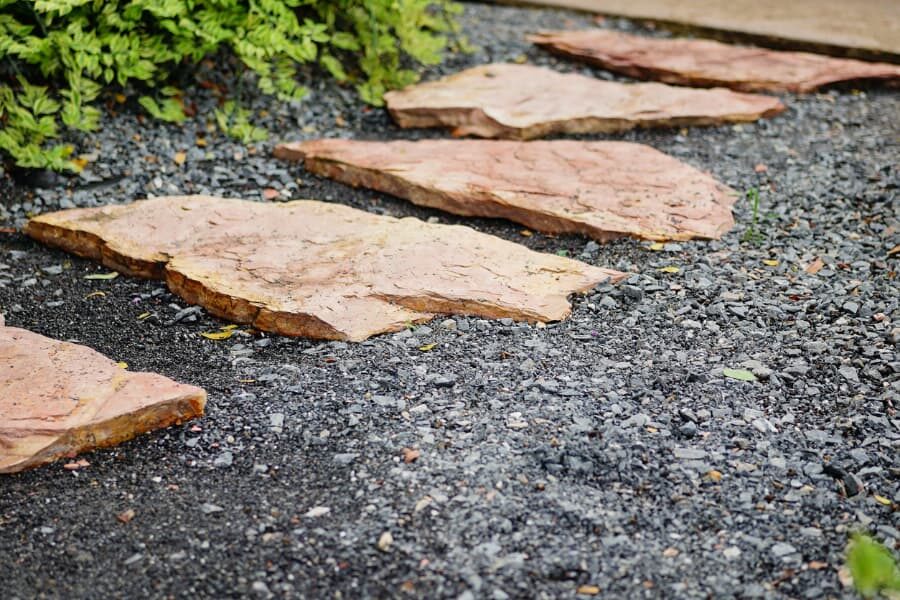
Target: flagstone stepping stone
58, 399
317, 269
600, 189
525, 102
708, 63
868, 28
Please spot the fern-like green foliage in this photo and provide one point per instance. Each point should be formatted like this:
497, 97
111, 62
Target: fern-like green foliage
58, 56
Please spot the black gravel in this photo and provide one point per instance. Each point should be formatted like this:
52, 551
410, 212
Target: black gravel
607, 450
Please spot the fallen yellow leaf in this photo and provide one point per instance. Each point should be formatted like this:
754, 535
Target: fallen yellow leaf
428, 347
201, 142
122, 365
525, 233
79, 163
588, 590
770, 263
179, 158
143, 316
95, 294
228, 327
882, 500
714, 475
656, 246
670, 269
217, 335
121, 98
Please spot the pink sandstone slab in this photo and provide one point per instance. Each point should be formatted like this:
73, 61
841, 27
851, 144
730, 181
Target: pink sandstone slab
526, 102
706, 63
599, 189
59, 399
868, 28
317, 269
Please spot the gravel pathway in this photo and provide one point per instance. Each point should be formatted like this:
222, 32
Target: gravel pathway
604, 451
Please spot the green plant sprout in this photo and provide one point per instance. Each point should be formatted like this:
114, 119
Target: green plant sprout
752, 234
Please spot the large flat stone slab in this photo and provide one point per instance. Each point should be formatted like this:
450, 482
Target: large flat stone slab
316, 269
599, 189
525, 102
708, 63
866, 28
58, 399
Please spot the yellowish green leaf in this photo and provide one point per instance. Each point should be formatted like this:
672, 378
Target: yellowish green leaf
217, 335
739, 374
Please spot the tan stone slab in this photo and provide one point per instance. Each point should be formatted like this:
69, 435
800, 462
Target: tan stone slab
869, 28
316, 269
707, 63
59, 399
526, 102
599, 189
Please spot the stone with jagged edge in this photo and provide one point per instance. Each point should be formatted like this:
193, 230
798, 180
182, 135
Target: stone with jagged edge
317, 269
526, 102
603, 190
59, 399
707, 63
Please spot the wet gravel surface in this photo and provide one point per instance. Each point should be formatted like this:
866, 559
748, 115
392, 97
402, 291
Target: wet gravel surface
606, 451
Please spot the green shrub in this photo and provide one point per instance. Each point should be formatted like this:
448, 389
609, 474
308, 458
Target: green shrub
58, 56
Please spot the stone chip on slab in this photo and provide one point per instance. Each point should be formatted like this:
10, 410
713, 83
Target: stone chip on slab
58, 399
708, 63
317, 269
599, 189
525, 102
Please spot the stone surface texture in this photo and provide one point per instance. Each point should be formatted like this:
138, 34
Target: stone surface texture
861, 27
316, 269
708, 63
599, 189
526, 102
59, 399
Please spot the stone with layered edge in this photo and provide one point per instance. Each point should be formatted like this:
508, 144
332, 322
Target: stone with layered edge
602, 190
707, 63
526, 102
316, 269
861, 28
59, 399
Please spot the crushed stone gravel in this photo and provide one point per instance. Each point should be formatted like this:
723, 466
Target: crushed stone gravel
607, 452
